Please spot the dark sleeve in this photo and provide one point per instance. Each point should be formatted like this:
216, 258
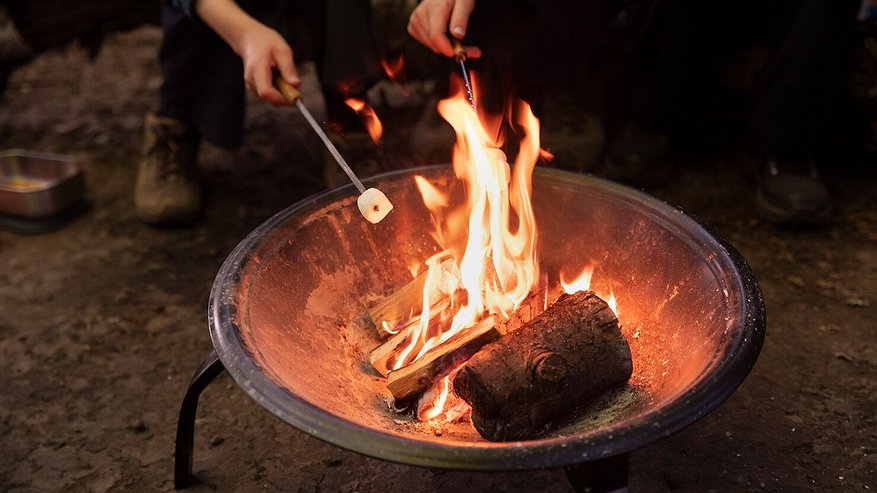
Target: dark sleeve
185, 6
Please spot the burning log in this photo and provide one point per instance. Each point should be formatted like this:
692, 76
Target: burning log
530, 307
525, 382
413, 379
380, 356
397, 308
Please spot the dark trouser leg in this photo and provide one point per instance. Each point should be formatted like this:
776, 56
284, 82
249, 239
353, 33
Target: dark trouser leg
688, 42
673, 71
344, 52
806, 79
202, 79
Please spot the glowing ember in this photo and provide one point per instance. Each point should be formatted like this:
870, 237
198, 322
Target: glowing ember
435, 401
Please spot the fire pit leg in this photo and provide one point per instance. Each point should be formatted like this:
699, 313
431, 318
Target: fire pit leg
607, 475
206, 373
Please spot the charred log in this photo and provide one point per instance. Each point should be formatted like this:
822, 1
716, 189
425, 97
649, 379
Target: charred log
524, 383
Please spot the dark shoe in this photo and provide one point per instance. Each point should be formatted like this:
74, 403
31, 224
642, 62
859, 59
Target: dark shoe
13, 48
639, 157
359, 151
790, 191
168, 190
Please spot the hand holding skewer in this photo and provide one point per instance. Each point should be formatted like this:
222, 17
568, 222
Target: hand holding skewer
433, 19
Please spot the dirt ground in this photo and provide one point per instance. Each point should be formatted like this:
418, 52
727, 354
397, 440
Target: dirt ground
103, 322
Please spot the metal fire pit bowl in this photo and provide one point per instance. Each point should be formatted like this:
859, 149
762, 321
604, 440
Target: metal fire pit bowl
287, 320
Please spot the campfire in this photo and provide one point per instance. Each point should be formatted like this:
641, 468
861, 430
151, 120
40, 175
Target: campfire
482, 286
293, 309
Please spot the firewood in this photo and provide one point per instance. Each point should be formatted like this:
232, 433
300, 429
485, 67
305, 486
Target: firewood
413, 379
535, 377
380, 356
531, 306
398, 308
527, 310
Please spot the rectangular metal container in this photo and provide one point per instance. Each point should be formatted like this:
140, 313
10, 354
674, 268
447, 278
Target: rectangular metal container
37, 184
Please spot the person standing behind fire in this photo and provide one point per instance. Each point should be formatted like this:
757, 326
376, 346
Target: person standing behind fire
797, 100
211, 51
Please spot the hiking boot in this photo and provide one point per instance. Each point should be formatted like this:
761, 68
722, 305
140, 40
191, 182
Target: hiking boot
168, 190
791, 192
359, 151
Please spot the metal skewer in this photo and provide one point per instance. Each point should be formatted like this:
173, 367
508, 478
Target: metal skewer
373, 204
293, 96
329, 145
460, 57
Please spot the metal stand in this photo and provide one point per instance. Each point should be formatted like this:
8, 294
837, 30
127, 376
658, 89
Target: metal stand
607, 475
206, 373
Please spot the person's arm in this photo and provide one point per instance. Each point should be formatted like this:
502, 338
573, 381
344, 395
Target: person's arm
432, 20
261, 48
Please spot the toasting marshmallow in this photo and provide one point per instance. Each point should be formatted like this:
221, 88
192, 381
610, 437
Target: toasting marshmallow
374, 205
497, 155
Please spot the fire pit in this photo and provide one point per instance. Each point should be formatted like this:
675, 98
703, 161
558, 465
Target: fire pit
287, 319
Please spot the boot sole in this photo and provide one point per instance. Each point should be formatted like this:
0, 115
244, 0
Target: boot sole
773, 214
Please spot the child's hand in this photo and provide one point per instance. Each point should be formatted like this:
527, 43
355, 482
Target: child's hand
433, 19
263, 49
260, 47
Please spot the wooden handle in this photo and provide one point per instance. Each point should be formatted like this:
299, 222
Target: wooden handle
459, 51
289, 92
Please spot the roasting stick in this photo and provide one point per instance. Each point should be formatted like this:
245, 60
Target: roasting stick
373, 204
460, 57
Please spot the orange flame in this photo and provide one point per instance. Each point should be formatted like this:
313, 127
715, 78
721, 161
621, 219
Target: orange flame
583, 283
613, 303
395, 69
420, 338
492, 237
369, 118
498, 262
580, 283
436, 401
489, 242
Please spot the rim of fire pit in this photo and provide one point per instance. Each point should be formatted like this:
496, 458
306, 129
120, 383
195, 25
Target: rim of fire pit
607, 441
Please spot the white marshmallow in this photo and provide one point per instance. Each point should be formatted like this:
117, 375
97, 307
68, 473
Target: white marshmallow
496, 154
374, 205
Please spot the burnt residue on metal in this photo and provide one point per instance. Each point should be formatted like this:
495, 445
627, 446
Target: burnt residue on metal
296, 341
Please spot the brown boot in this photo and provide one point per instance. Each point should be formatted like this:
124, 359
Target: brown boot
168, 190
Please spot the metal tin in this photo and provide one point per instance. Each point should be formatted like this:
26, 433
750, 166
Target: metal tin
38, 184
